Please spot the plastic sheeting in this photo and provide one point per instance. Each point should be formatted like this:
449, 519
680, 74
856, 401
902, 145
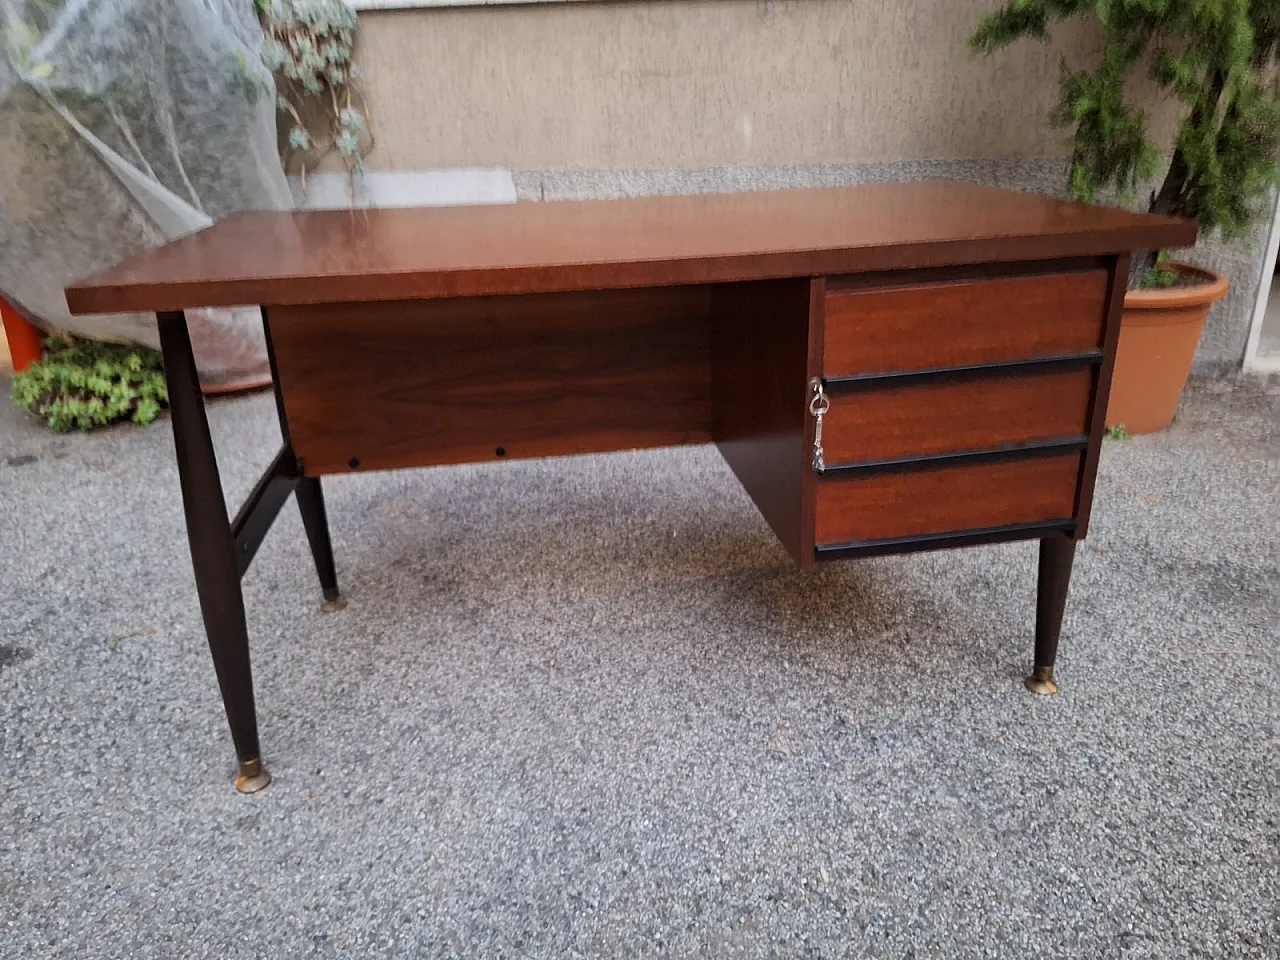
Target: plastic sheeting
125, 124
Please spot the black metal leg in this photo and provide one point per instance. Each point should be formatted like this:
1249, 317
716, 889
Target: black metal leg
310, 496
311, 505
1056, 556
212, 549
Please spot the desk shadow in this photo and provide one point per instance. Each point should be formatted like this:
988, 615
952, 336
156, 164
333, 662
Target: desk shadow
709, 559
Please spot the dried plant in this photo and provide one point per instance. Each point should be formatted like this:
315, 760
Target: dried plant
309, 46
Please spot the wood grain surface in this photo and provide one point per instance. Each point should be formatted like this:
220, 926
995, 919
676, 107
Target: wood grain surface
760, 353
950, 415
963, 322
390, 385
530, 247
916, 502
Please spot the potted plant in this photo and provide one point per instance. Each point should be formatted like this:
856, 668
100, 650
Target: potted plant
1218, 60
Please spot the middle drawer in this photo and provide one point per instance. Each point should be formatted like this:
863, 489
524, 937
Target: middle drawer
874, 422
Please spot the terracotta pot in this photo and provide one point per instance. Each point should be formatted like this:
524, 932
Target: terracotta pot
26, 343
1159, 333
255, 382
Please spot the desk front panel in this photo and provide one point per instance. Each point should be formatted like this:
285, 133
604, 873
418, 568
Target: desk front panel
962, 400
387, 385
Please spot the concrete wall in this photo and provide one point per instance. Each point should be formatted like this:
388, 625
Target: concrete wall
660, 85
642, 96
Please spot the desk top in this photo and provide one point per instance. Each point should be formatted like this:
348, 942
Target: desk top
531, 247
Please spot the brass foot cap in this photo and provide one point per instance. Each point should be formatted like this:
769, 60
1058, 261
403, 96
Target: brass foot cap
253, 776
1041, 682
333, 606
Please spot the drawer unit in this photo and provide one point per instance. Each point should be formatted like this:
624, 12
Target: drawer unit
883, 421
883, 505
958, 403
961, 322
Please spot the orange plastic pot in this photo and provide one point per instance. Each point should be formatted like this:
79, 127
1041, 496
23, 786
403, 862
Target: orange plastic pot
1159, 333
26, 343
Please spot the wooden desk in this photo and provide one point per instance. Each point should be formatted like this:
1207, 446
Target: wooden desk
959, 340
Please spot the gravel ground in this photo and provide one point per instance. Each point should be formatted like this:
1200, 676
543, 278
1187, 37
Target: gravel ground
585, 708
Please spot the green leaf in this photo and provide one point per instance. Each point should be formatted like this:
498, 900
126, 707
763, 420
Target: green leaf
1217, 61
84, 384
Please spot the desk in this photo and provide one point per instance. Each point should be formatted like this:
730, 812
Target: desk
886, 368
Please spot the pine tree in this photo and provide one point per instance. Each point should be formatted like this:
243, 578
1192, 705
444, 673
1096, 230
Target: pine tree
1218, 57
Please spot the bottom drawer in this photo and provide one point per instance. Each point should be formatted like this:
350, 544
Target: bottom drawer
887, 505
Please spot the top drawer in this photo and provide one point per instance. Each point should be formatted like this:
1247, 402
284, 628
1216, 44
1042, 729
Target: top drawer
962, 323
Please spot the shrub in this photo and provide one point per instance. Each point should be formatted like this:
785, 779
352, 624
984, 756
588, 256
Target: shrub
83, 384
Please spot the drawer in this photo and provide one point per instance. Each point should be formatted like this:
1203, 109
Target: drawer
884, 505
948, 416
962, 322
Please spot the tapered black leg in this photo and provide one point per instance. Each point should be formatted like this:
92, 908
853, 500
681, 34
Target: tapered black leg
1056, 555
212, 549
310, 496
311, 505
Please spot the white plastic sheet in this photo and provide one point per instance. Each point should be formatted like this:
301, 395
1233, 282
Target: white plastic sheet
125, 124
